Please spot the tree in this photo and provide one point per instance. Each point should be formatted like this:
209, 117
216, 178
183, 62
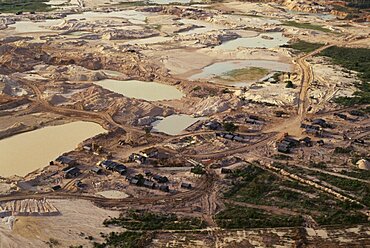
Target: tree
230, 127
289, 84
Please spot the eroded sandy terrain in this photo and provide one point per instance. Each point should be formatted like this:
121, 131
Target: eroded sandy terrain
239, 111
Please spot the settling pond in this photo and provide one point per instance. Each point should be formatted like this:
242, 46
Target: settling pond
203, 26
150, 91
174, 124
220, 68
27, 152
263, 40
133, 16
35, 27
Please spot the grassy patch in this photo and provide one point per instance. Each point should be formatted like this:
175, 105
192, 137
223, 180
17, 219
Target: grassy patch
343, 183
303, 46
13, 6
243, 217
361, 174
237, 75
306, 25
341, 217
144, 220
131, 4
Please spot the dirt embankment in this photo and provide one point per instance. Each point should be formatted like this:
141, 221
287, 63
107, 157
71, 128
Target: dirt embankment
20, 57
123, 59
14, 104
15, 129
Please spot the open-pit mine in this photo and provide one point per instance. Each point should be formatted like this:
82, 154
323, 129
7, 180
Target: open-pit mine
184, 123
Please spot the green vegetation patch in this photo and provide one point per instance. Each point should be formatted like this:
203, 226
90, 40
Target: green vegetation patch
238, 75
357, 188
257, 186
229, 127
358, 173
144, 220
131, 4
13, 6
140, 225
125, 239
341, 217
343, 183
304, 46
361, 189
244, 217
198, 169
306, 25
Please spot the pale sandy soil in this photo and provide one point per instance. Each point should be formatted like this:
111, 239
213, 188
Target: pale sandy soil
272, 93
185, 62
246, 7
365, 43
78, 220
180, 61
99, 3
333, 76
113, 194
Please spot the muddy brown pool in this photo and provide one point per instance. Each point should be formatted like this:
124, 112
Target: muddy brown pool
27, 152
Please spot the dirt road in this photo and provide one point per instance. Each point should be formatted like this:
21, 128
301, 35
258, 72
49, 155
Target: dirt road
307, 78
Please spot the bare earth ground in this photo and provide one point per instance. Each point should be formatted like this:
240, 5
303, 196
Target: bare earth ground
78, 220
60, 89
